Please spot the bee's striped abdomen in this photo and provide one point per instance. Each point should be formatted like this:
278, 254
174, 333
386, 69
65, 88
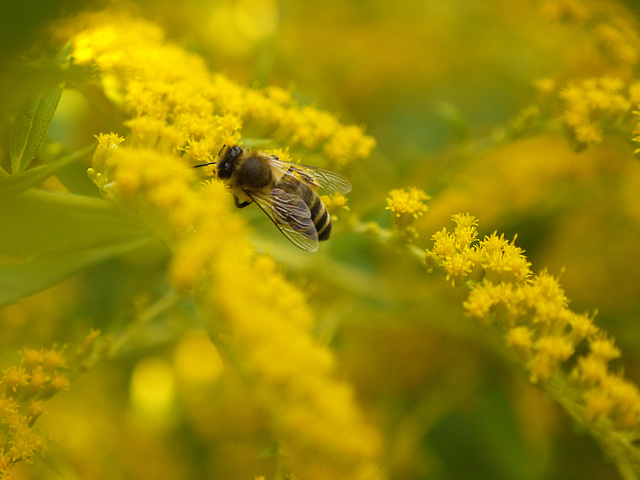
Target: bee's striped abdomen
321, 218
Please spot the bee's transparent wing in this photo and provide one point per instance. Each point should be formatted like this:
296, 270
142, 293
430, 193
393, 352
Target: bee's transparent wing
314, 176
291, 215
330, 181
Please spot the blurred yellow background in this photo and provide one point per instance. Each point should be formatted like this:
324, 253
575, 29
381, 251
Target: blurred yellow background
442, 86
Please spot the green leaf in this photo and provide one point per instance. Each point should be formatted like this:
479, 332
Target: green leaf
48, 237
34, 118
22, 181
31, 126
26, 278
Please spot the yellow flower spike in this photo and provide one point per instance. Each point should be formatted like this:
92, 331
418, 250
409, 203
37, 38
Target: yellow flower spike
178, 111
545, 335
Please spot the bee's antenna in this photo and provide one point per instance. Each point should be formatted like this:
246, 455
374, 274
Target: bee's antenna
210, 163
204, 164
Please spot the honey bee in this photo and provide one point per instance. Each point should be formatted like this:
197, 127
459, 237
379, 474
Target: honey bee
286, 192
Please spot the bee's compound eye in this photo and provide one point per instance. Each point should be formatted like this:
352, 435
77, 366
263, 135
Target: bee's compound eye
235, 152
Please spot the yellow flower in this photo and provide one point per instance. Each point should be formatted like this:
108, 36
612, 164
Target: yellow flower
180, 115
406, 205
592, 106
334, 202
545, 333
25, 387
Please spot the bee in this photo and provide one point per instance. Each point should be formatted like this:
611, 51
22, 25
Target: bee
286, 192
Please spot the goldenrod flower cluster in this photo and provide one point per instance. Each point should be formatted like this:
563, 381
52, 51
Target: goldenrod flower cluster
159, 85
406, 205
24, 389
180, 114
546, 335
592, 107
613, 28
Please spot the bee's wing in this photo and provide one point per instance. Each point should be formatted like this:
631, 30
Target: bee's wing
291, 215
315, 176
330, 181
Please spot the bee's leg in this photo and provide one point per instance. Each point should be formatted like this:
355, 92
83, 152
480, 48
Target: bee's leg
240, 204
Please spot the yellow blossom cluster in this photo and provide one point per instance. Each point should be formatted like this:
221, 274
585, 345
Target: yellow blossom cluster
265, 318
594, 106
406, 205
562, 350
151, 79
24, 388
335, 202
613, 27
177, 110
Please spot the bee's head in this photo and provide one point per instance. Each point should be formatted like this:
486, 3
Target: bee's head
227, 163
